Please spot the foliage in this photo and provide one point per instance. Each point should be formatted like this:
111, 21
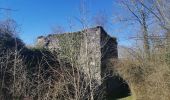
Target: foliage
70, 44
167, 58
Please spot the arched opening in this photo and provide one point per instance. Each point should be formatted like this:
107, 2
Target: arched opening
117, 87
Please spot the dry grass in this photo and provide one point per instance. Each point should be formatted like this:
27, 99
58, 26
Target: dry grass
148, 78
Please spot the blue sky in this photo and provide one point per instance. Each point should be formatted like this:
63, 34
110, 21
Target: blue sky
38, 17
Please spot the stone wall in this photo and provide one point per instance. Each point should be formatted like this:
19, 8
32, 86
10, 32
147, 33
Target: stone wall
89, 49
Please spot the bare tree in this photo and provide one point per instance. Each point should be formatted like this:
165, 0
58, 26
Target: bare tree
58, 29
100, 19
161, 14
141, 15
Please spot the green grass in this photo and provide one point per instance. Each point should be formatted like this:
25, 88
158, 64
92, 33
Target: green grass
126, 98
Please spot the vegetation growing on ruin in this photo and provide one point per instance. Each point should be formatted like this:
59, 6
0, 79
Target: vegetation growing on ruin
38, 73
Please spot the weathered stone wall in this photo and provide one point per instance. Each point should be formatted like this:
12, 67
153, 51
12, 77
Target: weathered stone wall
90, 53
91, 49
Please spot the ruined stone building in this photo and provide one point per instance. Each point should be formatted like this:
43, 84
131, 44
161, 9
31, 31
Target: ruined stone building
92, 49
92, 46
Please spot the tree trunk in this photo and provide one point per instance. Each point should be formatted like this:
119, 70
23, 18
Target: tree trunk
146, 44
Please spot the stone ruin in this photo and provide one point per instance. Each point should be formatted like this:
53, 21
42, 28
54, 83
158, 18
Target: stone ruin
92, 49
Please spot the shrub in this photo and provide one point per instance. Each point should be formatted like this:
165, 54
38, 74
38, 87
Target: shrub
147, 78
8, 38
